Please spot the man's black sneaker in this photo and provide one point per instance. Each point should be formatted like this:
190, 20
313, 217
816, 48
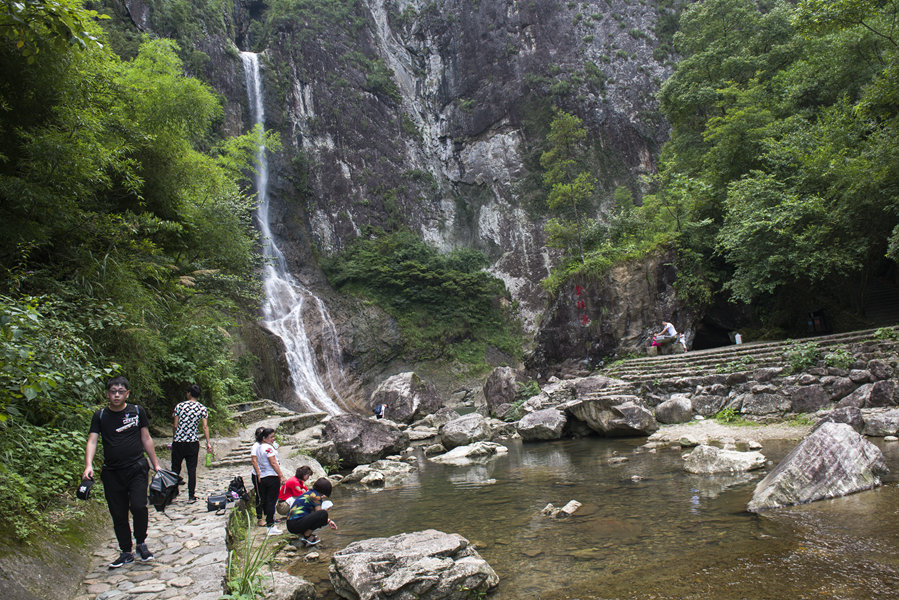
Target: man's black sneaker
123, 559
143, 552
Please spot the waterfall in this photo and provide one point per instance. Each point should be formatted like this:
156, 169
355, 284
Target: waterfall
285, 297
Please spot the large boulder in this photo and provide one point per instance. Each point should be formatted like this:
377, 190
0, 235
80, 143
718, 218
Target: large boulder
477, 453
807, 398
501, 387
880, 422
361, 441
677, 409
613, 415
546, 424
407, 396
443, 415
283, 586
849, 415
710, 459
707, 404
765, 404
834, 460
880, 393
424, 565
381, 473
464, 430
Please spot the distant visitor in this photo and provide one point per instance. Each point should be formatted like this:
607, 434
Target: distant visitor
380, 411
667, 335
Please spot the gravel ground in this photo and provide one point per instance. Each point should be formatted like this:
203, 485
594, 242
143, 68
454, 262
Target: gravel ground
712, 431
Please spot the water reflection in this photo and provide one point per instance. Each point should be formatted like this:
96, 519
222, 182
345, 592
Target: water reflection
664, 534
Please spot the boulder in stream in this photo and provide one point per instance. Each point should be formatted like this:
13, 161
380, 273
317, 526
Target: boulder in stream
423, 565
479, 452
677, 409
710, 459
464, 430
546, 424
407, 397
834, 460
382, 473
622, 415
361, 441
560, 513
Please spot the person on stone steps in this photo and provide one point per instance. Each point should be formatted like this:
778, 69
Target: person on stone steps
310, 512
185, 443
254, 475
126, 437
270, 477
666, 336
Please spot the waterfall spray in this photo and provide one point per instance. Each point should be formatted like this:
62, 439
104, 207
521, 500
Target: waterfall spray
285, 297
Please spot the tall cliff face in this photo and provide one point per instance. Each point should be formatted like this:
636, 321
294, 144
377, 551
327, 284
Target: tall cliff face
431, 114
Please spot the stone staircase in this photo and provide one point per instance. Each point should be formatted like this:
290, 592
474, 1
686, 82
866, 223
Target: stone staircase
727, 359
260, 413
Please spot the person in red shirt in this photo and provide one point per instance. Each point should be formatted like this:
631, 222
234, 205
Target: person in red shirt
292, 489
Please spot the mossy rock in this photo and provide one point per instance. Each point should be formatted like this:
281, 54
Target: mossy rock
52, 563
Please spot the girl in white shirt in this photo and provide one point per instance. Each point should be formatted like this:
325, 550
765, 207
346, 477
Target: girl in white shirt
270, 477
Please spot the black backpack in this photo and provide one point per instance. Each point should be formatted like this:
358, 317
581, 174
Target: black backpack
237, 490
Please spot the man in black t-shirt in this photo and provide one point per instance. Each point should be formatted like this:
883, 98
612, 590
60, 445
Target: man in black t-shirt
125, 431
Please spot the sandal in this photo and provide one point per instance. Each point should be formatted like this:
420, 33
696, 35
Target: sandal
311, 540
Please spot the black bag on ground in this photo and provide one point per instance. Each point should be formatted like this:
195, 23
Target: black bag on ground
217, 502
164, 488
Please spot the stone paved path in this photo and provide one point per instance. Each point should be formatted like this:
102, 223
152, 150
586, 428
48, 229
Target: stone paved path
189, 549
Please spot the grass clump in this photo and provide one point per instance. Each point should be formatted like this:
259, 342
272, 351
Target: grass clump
243, 574
801, 420
728, 416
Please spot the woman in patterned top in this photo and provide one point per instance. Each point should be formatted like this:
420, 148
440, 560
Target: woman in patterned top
310, 511
185, 443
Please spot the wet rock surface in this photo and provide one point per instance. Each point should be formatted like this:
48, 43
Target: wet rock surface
832, 461
424, 565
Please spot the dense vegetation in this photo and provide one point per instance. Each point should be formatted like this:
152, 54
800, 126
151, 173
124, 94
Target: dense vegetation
126, 242
780, 183
447, 307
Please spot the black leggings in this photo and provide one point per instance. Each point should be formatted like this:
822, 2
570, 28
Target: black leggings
312, 521
268, 488
189, 453
127, 489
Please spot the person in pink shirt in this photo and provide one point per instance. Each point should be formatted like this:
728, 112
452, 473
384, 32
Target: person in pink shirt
292, 489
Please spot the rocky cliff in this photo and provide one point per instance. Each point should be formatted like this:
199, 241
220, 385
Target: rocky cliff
430, 114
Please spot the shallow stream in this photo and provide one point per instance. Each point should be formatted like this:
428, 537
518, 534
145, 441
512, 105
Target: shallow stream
647, 529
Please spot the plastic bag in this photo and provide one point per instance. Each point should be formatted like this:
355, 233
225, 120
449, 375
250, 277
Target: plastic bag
164, 488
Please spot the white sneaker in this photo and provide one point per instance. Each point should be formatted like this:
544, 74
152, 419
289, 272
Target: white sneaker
274, 531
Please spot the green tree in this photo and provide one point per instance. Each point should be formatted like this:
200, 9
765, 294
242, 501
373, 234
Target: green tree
784, 128
571, 185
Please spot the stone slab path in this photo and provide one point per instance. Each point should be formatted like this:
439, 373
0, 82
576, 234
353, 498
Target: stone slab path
189, 550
